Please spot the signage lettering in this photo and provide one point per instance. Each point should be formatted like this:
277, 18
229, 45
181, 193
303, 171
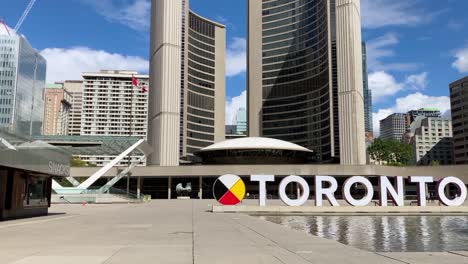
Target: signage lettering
326, 186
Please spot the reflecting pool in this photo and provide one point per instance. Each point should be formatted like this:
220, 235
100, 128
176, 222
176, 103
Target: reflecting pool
385, 233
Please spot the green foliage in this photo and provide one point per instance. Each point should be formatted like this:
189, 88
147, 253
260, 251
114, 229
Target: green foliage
76, 162
391, 152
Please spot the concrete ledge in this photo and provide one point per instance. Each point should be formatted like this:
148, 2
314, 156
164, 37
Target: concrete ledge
347, 210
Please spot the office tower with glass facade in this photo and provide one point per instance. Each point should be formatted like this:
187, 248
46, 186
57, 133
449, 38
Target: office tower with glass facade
113, 106
393, 127
432, 142
22, 81
75, 89
305, 76
187, 99
241, 121
367, 95
459, 102
57, 109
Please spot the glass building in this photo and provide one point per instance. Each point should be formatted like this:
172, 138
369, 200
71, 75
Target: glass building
241, 121
367, 93
22, 80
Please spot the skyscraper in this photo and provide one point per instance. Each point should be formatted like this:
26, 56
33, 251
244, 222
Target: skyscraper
433, 142
75, 88
241, 121
393, 127
305, 76
367, 95
113, 106
188, 86
57, 107
459, 102
22, 80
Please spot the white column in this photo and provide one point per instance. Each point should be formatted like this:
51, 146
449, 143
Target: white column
350, 82
165, 76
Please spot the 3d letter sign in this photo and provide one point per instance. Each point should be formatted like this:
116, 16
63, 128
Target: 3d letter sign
230, 190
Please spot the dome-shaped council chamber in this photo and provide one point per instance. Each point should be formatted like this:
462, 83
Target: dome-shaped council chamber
254, 150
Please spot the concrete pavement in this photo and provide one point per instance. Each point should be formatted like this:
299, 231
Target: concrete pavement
175, 232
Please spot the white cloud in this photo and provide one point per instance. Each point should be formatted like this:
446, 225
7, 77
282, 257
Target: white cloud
381, 48
233, 105
461, 62
236, 57
417, 81
68, 64
412, 102
383, 85
132, 13
381, 13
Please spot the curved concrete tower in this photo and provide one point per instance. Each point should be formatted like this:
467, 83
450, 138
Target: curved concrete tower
305, 76
350, 82
165, 75
187, 83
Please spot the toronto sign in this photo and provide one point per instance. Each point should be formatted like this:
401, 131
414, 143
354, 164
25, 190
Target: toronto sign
230, 190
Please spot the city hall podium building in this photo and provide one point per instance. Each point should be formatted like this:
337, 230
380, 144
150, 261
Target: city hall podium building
26, 171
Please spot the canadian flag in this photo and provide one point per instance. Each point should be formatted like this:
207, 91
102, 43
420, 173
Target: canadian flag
135, 83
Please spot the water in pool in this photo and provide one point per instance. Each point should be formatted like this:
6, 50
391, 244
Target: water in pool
385, 233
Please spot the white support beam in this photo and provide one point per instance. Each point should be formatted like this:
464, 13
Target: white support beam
105, 169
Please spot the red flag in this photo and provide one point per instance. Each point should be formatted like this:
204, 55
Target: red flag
134, 81
144, 89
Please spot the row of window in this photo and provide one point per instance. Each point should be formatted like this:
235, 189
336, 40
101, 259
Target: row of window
298, 77
201, 45
298, 43
198, 74
201, 26
200, 101
311, 66
201, 68
194, 57
195, 135
5, 101
5, 111
201, 38
201, 90
201, 53
198, 112
7, 64
296, 18
302, 58
273, 16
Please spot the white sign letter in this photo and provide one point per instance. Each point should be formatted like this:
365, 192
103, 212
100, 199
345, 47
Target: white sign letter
262, 179
422, 181
398, 195
328, 192
460, 199
347, 191
300, 200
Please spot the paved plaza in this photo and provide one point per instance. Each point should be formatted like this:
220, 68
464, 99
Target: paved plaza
176, 231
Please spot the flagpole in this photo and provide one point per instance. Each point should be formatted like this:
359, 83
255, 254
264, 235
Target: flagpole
130, 134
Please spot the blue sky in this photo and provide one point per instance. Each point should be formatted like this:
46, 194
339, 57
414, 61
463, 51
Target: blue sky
415, 48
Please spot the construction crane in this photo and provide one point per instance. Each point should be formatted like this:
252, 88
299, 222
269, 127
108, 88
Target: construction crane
25, 14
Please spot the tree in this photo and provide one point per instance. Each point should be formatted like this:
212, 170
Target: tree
391, 152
